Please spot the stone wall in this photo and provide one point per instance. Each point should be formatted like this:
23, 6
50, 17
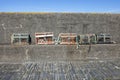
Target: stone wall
58, 22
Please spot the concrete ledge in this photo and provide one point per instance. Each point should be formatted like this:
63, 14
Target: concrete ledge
36, 53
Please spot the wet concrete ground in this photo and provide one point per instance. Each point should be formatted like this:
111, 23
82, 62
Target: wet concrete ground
61, 70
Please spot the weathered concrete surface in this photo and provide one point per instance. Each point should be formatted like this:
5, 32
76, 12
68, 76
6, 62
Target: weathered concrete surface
57, 23
75, 70
36, 53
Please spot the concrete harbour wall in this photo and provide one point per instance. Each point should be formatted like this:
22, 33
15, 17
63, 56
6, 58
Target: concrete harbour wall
58, 22
80, 23
36, 53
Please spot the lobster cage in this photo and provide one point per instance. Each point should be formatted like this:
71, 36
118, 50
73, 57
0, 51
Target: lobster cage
44, 38
20, 38
87, 39
104, 38
67, 38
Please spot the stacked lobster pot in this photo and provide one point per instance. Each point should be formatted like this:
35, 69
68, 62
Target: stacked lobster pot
104, 38
67, 38
87, 39
20, 38
44, 38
